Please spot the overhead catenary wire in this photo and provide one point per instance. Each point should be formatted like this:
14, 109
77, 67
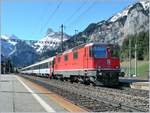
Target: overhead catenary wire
81, 14
52, 14
76, 11
41, 18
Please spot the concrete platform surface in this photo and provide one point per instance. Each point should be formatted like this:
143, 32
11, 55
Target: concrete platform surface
135, 83
140, 85
131, 80
19, 95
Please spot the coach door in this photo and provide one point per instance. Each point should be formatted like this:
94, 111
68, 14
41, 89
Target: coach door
85, 59
50, 69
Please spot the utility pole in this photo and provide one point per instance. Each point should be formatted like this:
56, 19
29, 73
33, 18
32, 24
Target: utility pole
75, 36
62, 27
76, 31
129, 56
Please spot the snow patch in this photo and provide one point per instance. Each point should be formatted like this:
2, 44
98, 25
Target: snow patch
121, 14
145, 4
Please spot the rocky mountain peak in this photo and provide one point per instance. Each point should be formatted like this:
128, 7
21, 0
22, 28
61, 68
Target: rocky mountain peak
51, 41
49, 31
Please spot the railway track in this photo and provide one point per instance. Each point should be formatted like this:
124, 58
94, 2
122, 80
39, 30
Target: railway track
97, 99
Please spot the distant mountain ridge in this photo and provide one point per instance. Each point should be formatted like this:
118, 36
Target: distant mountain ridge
18, 50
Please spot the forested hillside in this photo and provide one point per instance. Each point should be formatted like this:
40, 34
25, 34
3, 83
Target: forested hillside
142, 41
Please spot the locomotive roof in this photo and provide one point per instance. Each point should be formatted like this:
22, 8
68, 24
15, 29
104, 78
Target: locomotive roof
84, 45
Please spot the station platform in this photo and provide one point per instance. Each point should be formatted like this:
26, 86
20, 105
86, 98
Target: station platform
20, 95
135, 83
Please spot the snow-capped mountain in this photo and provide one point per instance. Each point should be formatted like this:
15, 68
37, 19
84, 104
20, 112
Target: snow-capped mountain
18, 50
50, 42
145, 4
23, 54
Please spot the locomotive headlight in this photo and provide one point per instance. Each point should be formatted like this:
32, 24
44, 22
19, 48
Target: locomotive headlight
108, 61
117, 67
100, 73
99, 67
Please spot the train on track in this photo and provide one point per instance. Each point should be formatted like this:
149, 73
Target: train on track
94, 63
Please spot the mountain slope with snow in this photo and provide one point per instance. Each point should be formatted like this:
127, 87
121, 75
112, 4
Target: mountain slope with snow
131, 20
18, 50
23, 55
124, 12
7, 45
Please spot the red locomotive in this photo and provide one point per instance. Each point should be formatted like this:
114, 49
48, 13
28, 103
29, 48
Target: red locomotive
88, 63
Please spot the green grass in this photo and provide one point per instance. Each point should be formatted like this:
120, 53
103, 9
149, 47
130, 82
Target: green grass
142, 68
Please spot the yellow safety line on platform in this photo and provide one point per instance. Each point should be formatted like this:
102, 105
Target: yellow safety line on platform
69, 106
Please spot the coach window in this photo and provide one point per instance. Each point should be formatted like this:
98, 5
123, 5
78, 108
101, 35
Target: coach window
44, 65
65, 57
47, 64
75, 55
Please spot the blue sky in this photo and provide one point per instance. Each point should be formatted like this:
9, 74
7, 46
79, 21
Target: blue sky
30, 19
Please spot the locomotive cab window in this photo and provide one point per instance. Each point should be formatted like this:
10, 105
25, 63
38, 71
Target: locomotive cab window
114, 51
91, 52
99, 52
66, 58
